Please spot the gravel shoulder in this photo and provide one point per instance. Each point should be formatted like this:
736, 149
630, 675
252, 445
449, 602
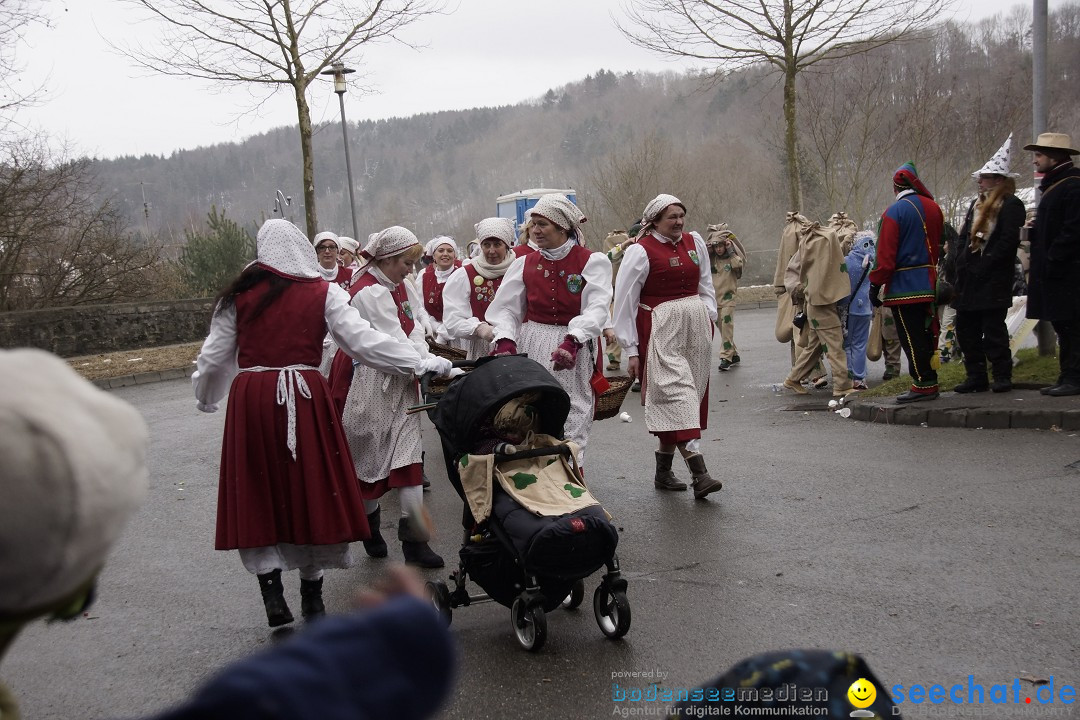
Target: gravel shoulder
132, 362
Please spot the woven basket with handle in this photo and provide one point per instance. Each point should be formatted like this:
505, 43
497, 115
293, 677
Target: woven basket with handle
609, 402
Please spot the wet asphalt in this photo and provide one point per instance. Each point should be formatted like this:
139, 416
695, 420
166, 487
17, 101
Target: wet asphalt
936, 553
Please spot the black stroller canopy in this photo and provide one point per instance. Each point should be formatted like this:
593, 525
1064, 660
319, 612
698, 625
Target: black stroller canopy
478, 395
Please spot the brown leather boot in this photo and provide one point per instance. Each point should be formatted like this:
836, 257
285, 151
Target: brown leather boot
665, 479
703, 482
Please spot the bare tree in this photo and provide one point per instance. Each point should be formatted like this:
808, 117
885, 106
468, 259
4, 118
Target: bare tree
788, 35
624, 181
16, 17
61, 243
272, 43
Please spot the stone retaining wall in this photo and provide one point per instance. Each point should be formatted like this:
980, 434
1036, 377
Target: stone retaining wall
91, 329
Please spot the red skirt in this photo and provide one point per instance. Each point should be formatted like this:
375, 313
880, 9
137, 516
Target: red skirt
264, 496
408, 476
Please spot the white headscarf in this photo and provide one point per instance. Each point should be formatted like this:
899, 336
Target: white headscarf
499, 229
72, 477
326, 235
657, 205
558, 209
346, 243
281, 246
496, 227
394, 240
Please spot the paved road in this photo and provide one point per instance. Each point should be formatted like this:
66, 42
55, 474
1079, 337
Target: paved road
936, 553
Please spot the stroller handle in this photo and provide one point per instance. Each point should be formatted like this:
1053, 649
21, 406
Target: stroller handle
563, 450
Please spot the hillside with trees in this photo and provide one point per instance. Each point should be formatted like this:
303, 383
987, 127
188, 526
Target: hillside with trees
945, 102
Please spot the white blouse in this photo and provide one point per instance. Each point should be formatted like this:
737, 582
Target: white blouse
217, 362
378, 307
507, 311
458, 320
632, 274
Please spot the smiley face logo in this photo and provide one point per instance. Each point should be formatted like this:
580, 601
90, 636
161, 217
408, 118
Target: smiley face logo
862, 693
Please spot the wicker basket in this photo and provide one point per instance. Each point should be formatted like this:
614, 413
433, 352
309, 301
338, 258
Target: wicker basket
452, 354
608, 403
438, 385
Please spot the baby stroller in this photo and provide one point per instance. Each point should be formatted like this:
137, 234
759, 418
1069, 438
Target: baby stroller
531, 562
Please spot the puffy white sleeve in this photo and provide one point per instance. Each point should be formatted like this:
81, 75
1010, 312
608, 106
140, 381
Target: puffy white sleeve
632, 274
216, 365
371, 344
457, 316
595, 300
507, 311
705, 289
418, 337
420, 313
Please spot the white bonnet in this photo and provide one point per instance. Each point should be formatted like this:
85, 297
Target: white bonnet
558, 209
74, 460
496, 227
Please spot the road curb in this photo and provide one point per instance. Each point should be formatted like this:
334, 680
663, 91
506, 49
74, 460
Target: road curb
976, 418
144, 378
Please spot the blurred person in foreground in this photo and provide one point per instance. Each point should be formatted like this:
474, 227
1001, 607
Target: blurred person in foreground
73, 477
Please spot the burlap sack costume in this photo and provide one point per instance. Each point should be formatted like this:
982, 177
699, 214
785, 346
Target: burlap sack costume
726, 272
818, 272
613, 350
789, 244
845, 229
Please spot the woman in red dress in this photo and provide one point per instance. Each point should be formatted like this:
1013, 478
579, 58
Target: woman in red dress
665, 308
287, 496
471, 288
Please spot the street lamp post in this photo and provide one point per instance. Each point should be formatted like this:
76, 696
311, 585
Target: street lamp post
339, 71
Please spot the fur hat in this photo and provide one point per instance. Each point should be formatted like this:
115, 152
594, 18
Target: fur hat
74, 461
1053, 141
999, 163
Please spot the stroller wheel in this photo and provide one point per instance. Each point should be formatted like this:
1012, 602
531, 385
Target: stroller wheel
577, 594
612, 611
530, 624
440, 599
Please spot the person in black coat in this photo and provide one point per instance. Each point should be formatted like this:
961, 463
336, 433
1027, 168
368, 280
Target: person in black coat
1055, 254
982, 269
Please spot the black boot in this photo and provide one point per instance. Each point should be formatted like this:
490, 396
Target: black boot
703, 482
376, 546
273, 595
311, 604
414, 545
665, 479
974, 384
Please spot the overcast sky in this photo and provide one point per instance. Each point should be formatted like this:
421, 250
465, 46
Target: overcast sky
484, 53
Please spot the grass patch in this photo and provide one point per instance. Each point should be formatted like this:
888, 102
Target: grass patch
1030, 368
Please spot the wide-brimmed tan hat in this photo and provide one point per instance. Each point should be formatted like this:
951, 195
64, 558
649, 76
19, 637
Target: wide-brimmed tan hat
1053, 141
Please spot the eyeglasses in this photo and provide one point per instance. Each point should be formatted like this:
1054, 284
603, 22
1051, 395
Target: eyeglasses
326, 247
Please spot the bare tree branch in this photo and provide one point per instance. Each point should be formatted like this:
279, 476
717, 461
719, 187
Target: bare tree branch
787, 35
270, 42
